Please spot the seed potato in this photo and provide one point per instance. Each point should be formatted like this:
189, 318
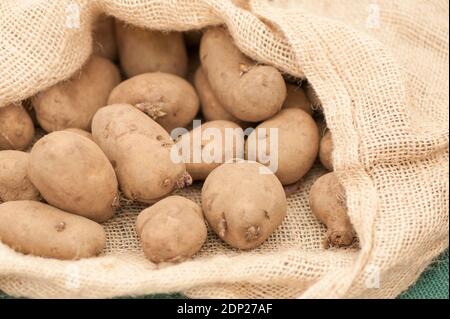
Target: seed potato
298, 143
172, 230
72, 173
327, 201
140, 151
211, 107
16, 128
243, 203
248, 91
142, 51
38, 229
73, 103
219, 141
166, 98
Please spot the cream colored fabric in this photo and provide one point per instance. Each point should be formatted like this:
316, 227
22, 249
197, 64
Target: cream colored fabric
380, 69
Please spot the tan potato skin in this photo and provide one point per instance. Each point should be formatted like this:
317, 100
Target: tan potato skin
16, 128
139, 150
327, 201
166, 98
73, 103
144, 51
72, 173
199, 171
80, 132
296, 98
298, 143
38, 229
104, 38
326, 150
248, 91
172, 230
14, 181
212, 109
241, 205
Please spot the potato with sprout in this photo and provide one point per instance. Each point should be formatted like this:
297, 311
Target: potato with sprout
244, 203
328, 204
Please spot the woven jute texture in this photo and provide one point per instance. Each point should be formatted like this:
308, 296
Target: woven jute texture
380, 69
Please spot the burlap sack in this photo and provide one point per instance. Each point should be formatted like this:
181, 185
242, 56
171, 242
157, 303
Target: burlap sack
380, 69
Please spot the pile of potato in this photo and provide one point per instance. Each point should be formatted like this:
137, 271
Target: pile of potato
109, 133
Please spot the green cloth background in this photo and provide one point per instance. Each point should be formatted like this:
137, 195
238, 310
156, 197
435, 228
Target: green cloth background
432, 284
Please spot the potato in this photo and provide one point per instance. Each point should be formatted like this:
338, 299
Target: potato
140, 151
38, 229
73, 103
327, 201
243, 203
248, 91
14, 181
213, 143
172, 230
166, 98
298, 144
72, 173
326, 150
143, 51
80, 132
211, 108
296, 98
16, 127
104, 38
